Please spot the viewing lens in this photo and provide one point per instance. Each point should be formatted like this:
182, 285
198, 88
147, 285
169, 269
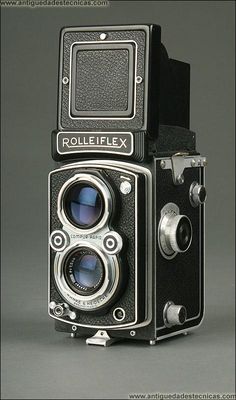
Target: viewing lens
84, 205
184, 233
84, 271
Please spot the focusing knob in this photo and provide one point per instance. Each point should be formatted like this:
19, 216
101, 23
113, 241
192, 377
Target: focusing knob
197, 194
175, 233
174, 314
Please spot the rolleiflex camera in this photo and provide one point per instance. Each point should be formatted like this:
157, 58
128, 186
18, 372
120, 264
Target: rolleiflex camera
126, 204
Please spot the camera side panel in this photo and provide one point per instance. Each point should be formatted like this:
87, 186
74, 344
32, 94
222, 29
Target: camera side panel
179, 275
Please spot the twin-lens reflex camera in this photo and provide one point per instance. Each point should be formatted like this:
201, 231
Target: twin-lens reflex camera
126, 202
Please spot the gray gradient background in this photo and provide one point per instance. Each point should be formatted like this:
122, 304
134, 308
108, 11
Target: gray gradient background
37, 362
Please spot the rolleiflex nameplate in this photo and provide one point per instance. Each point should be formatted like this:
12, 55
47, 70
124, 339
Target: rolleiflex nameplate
115, 86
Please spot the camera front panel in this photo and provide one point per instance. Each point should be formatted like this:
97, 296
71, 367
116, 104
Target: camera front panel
97, 244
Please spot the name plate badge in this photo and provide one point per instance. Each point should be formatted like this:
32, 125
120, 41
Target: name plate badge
95, 142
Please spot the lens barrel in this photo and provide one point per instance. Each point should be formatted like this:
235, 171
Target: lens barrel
85, 202
84, 271
83, 205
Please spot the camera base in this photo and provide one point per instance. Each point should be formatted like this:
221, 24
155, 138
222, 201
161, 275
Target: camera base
101, 338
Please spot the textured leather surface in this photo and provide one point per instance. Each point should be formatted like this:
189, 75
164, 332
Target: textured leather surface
102, 80
173, 139
180, 279
135, 123
124, 223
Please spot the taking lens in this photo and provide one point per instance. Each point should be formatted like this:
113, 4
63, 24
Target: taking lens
83, 205
84, 271
184, 233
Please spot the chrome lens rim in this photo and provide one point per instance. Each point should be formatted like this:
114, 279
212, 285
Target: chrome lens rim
104, 293
103, 190
74, 258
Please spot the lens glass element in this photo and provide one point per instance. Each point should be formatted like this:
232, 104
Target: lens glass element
83, 204
184, 233
84, 271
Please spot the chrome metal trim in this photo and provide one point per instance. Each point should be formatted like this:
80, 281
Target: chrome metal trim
179, 332
122, 167
107, 198
103, 295
169, 210
103, 36
185, 160
65, 80
135, 75
168, 304
114, 314
125, 187
194, 198
74, 328
193, 185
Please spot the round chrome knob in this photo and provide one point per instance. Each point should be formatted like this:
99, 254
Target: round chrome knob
175, 234
180, 233
125, 187
197, 194
60, 310
174, 314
